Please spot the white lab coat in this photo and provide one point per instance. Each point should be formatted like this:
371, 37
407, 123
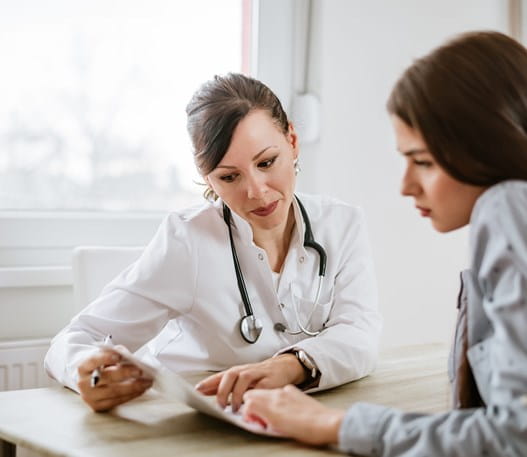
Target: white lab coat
181, 296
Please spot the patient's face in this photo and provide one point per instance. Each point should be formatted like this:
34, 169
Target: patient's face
256, 177
438, 196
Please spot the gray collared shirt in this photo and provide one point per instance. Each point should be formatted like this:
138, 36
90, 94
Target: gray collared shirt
495, 291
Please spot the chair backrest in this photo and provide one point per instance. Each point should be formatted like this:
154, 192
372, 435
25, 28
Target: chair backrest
95, 266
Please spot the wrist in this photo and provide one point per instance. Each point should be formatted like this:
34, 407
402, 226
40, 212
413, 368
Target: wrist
329, 425
297, 372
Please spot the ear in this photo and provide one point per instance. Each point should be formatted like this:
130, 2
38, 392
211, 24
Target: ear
207, 182
292, 138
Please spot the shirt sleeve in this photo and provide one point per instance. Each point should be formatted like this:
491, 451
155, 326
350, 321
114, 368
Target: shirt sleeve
347, 348
134, 307
495, 431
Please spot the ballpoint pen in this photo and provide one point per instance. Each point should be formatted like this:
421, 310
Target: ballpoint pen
96, 374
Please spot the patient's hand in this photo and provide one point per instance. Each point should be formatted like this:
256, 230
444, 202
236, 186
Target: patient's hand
271, 373
293, 414
118, 382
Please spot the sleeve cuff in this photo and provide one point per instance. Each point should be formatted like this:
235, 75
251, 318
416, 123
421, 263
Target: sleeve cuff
359, 431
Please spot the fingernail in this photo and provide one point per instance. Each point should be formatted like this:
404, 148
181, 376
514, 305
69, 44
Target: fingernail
115, 357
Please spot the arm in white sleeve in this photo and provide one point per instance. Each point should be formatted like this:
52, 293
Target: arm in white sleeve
347, 348
134, 307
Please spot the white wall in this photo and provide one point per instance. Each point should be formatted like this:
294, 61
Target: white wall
361, 49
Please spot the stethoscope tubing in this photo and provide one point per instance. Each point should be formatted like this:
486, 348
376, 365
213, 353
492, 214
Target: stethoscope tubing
250, 326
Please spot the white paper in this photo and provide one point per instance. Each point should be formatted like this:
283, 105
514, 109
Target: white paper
172, 386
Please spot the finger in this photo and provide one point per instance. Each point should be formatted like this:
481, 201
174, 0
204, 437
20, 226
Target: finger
110, 375
102, 358
257, 395
209, 385
245, 381
118, 373
255, 406
225, 387
256, 419
130, 387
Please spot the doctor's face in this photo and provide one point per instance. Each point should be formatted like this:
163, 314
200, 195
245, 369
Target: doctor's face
446, 201
256, 177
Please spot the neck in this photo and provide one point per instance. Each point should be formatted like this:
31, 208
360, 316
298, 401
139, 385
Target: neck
276, 241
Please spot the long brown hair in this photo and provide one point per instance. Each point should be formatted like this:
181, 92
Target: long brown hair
468, 99
215, 110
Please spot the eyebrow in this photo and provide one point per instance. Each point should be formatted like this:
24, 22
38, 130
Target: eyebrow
412, 152
254, 158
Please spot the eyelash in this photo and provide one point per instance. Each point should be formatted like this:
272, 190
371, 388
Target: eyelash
264, 164
422, 163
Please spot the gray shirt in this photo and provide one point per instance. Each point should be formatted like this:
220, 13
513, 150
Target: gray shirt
495, 293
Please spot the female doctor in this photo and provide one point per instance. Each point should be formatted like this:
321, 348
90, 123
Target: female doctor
267, 287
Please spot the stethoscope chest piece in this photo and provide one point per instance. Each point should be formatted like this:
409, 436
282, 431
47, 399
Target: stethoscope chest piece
250, 328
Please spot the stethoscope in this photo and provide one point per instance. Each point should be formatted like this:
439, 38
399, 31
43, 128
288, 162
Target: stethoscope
250, 326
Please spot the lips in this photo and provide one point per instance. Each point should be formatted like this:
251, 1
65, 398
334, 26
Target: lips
265, 210
425, 212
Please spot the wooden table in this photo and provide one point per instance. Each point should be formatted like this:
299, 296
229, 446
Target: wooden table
55, 422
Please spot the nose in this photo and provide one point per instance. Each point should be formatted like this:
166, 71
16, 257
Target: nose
409, 186
256, 186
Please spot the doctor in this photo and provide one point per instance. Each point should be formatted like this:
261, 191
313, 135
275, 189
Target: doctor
263, 286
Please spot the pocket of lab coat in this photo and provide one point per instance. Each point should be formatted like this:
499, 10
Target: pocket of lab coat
321, 312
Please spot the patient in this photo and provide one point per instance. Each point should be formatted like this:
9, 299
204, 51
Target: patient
460, 120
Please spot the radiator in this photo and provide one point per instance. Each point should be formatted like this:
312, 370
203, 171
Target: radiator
21, 364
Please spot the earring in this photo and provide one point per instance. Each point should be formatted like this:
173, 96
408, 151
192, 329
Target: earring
296, 166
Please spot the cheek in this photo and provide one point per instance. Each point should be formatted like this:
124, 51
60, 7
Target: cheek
441, 189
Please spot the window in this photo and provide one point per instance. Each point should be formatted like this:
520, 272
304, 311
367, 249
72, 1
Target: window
94, 94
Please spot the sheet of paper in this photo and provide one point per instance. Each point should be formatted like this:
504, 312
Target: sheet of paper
171, 386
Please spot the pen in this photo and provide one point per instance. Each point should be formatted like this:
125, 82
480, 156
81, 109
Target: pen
96, 374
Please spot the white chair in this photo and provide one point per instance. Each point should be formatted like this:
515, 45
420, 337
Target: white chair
95, 266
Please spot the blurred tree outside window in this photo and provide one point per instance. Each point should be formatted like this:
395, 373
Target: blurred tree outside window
93, 96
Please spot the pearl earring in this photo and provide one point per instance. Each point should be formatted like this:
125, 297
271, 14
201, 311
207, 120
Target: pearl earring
296, 166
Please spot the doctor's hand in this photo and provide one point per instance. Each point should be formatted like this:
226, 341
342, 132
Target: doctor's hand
118, 382
293, 414
271, 373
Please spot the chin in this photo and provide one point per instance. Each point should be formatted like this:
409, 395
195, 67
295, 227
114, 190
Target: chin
445, 228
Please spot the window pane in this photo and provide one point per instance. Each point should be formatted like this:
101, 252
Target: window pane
94, 94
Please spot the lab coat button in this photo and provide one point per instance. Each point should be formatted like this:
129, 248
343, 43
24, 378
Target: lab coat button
301, 259
260, 256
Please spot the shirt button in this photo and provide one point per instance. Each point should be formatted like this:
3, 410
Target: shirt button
260, 256
301, 259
